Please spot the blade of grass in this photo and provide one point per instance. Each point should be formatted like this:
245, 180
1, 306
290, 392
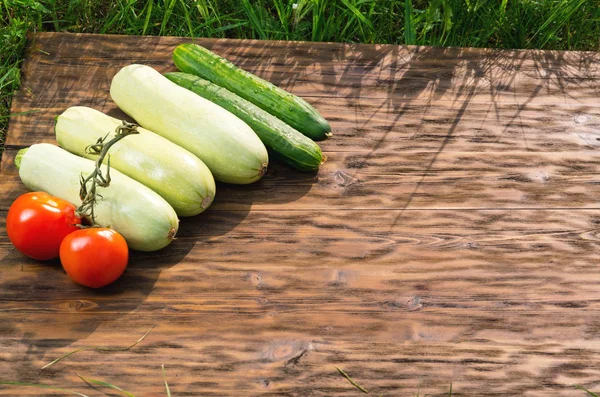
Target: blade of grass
503, 7
410, 33
105, 384
166, 17
119, 16
283, 14
229, 27
148, 14
19, 113
345, 375
98, 349
586, 390
40, 386
447, 20
255, 21
358, 14
317, 32
186, 15
556, 20
166, 384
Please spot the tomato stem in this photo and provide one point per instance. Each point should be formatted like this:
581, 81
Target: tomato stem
89, 197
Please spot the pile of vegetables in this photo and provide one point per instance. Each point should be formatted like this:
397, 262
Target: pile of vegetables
112, 186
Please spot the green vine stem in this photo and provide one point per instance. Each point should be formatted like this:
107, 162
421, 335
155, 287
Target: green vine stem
89, 197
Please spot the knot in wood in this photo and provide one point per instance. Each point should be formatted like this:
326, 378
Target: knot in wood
581, 118
411, 303
414, 303
255, 279
78, 305
286, 350
471, 245
343, 179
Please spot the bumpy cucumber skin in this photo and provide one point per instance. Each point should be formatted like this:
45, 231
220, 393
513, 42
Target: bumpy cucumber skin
293, 110
145, 219
294, 148
177, 175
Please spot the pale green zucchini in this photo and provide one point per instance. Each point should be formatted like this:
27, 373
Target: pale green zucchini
145, 219
227, 145
177, 175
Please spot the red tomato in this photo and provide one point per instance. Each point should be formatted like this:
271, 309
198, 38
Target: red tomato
37, 223
94, 257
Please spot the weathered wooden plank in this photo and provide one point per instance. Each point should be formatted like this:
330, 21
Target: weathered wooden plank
469, 256
102, 47
286, 363
366, 125
452, 236
413, 180
353, 60
506, 300
496, 89
419, 77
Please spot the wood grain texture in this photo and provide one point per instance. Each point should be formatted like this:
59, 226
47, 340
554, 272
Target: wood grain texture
450, 238
415, 180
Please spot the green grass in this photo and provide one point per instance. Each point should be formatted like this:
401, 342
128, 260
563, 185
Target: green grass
540, 24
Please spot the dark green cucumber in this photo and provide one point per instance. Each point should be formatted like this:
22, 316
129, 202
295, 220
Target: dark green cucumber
292, 147
295, 111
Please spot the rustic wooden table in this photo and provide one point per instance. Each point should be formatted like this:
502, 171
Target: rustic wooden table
451, 236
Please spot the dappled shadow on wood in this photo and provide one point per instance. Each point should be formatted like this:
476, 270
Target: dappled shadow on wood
83, 310
492, 261
426, 80
281, 185
43, 287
